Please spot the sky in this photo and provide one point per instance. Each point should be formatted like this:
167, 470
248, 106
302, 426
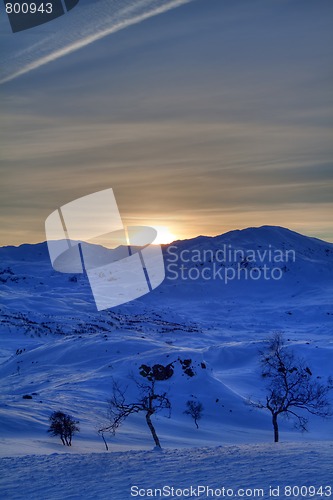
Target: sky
204, 116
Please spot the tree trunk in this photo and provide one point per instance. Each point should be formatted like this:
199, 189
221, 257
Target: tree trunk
106, 444
196, 423
276, 428
152, 429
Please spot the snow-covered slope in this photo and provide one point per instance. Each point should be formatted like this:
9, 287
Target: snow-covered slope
256, 471
56, 348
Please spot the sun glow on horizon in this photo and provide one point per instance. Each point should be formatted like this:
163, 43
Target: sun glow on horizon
164, 235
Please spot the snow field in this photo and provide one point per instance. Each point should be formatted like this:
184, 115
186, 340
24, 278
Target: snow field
244, 471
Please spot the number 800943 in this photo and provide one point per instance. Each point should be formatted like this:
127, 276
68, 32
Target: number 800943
29, 8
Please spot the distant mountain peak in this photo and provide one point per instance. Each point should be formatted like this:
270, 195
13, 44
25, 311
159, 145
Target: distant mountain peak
255, 235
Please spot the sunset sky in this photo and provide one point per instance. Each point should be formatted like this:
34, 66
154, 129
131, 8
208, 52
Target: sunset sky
212, 116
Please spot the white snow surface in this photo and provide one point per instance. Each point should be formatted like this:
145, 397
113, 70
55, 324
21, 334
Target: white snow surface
251, 469
56, 348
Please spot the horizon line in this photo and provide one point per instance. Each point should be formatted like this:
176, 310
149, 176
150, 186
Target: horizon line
264, 226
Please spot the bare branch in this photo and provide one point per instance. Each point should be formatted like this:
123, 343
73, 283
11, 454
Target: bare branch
148, 401
291, 387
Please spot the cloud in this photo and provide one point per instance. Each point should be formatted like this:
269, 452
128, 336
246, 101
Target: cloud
208, 118
150, 163
89, 22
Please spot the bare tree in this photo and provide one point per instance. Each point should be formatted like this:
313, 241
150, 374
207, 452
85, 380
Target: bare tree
194, 409
291, 389
64, 426
148, 401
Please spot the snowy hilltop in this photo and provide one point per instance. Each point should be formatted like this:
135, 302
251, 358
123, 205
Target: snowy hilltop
198, 335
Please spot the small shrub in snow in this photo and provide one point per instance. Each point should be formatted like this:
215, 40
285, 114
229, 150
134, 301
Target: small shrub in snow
64, 426
194, 409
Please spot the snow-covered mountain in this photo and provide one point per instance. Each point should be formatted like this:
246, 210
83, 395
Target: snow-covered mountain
224, 269
58, 350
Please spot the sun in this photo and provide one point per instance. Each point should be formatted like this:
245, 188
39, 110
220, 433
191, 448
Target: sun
164, 235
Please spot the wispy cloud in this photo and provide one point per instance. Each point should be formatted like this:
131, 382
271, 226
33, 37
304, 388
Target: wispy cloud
86, 24
208, 118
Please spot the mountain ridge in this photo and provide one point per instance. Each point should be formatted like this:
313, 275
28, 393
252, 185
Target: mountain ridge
62, 353
254, 232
